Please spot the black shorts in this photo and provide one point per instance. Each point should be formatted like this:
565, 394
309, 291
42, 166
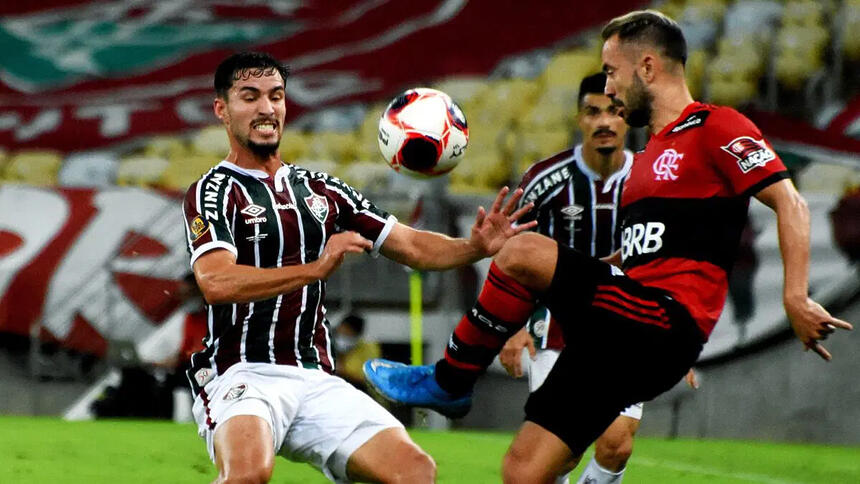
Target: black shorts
624, 343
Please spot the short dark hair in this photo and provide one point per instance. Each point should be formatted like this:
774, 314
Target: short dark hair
593, 84
244, 65
355, 322
649, 26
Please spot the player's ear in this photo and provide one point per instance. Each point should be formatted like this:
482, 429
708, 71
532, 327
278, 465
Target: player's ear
219, 106
647, 65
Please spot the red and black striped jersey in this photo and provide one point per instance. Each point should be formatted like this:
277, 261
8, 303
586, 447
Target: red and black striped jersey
272, 222
577, 207
685, 204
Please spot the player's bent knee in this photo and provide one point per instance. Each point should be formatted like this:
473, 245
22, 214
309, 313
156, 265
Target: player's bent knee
518, 469
527, 256
240, 475
416, 466
613, 453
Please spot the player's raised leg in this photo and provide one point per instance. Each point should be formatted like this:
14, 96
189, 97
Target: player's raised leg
523, 268
391, 457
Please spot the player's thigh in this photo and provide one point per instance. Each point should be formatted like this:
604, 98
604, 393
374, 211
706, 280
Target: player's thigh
537, 455
391, 456
244, 448
335, 420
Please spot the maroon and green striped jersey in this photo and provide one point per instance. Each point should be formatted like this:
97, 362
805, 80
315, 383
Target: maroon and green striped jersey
272, 222
578, 208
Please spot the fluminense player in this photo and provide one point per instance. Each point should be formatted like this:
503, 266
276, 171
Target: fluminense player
264, 236
629, 335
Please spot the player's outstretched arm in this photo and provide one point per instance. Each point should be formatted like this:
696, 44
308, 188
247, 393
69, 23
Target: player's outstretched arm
811, 322
223, 281
425, 250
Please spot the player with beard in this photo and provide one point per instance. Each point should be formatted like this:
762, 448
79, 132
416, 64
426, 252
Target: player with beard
577, 196
263, 237
630, 335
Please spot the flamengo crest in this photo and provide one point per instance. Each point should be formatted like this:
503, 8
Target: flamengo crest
318, 205
666, 165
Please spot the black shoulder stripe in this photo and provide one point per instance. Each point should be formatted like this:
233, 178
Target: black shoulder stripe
694, 120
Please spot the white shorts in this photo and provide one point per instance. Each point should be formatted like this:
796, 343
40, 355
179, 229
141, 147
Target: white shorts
315, 417
540, 367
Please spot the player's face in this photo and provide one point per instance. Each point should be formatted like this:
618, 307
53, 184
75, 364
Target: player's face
624, 84
255, 110
600, 121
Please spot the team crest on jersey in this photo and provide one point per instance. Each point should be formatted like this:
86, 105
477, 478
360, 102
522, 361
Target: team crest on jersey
204, 376
749, 152
236, 392
318, 205
573, 212
666, 165
198, 227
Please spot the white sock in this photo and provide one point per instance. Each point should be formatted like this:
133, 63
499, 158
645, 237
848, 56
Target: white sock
595, 474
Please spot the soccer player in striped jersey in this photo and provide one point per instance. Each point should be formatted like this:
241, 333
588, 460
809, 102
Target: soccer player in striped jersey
630, 335
577, 197
263, 237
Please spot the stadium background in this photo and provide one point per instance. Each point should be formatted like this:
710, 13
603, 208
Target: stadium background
105, 119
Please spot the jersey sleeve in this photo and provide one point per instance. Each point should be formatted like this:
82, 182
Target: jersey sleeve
206, 208
740, 153
355, 212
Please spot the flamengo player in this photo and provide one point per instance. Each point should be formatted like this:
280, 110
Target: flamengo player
684, 206
264, 236
577, 196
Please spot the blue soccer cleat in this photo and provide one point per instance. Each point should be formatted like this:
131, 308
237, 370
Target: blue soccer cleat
413, 386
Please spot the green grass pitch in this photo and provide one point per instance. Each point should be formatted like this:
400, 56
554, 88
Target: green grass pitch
35, 450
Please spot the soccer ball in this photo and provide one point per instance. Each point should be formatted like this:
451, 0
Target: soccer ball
423, 133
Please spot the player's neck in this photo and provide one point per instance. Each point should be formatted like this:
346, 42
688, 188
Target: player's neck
244, 158
669, 102
603, 165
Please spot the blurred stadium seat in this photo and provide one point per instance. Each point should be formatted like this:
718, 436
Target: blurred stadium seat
183, 170
211, 140
34, 167
141, 170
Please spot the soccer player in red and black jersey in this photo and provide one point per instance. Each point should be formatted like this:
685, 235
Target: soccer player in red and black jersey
683, 206
577, 197
263, 237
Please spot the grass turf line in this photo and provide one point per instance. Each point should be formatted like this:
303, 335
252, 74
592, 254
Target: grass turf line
51, 450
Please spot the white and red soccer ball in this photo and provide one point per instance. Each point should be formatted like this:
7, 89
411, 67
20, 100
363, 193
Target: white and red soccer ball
423, 133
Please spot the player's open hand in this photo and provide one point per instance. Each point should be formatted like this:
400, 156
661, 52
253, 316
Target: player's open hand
336, 249
511, 354
493, 228
812, 324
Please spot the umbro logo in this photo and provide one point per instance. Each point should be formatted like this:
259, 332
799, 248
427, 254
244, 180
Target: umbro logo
572, 212
253, 210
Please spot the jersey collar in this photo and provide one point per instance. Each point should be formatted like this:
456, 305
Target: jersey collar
254, 173
693, 106
612, 179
